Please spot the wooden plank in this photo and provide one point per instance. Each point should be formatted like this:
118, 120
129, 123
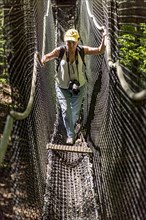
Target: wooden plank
69, 148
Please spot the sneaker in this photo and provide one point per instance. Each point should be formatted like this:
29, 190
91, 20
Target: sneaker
70, 141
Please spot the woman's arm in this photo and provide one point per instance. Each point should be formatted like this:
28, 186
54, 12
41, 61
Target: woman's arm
96, 50
50, 56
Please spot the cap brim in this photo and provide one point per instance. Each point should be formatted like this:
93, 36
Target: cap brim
70, 39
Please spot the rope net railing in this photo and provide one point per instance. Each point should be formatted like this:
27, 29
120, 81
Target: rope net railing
115, 124
37, 183
25, 170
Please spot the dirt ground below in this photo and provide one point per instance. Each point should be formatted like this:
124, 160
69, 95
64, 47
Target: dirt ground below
5, 102
5, 196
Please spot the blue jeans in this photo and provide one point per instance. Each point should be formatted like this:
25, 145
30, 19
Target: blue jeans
70, 106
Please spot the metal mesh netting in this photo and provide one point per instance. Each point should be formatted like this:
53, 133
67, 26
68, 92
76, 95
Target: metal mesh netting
26, 164
37, 183
116, 124
69, 188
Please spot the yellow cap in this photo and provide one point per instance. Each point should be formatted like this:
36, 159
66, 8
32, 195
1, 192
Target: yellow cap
71, 35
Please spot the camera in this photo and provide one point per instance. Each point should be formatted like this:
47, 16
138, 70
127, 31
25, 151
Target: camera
74, 86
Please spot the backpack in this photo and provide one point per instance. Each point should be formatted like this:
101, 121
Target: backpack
80, 49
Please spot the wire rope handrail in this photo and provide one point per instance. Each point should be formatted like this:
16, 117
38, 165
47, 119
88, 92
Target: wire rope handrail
139, 96
13, 115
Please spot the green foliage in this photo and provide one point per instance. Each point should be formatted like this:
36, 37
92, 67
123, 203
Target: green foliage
3, 81
132, 47
3, 74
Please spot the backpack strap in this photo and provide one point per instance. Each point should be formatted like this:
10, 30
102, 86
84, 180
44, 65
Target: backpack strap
80, 49
61, 53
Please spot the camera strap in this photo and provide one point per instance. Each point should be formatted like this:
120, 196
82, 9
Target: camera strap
76, 61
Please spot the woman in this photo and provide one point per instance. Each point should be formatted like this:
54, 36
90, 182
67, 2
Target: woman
70, 79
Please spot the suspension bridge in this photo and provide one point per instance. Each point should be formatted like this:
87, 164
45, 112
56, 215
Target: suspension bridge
103, 176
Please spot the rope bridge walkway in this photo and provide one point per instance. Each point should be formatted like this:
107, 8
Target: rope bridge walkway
102, 176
